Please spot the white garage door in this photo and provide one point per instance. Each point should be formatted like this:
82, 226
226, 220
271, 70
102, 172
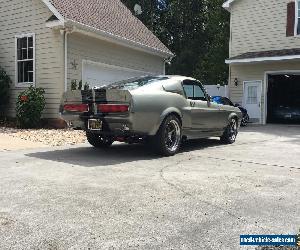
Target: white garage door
98, 74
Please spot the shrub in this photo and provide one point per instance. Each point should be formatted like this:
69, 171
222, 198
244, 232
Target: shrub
80, 85
30, 105
5, 82
73, 84
86, 86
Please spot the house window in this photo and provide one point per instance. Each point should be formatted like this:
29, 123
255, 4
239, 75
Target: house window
25, 59
252, 95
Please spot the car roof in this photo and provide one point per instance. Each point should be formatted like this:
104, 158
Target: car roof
179, 77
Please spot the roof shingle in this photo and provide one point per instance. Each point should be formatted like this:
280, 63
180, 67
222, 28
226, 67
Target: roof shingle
110, 16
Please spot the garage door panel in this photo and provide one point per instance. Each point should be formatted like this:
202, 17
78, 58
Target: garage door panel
97, 75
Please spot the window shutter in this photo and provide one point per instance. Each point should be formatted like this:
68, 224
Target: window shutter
290, 27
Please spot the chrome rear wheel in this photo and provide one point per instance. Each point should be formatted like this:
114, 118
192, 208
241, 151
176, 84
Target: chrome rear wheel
167, 141
172, 135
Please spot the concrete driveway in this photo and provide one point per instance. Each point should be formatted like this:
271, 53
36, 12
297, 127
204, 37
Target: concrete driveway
9, 143
128, 198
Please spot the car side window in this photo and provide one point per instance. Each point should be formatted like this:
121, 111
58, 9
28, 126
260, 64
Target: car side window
193, 91
189, 91
199, 93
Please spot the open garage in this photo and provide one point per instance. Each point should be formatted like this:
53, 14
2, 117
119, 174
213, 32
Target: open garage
283, 98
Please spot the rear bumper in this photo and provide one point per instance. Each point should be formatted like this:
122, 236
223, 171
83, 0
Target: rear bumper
73, 120
111, 126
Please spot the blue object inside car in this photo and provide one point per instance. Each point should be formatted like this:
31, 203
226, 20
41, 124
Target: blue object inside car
225, 101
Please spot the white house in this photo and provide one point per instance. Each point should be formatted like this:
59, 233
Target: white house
264, 56
50, 43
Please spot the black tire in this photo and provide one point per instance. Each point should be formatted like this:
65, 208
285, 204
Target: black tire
230, 133
99, 141
167, 141
245, 120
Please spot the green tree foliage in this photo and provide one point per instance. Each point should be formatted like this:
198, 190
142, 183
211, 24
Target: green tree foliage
196, 31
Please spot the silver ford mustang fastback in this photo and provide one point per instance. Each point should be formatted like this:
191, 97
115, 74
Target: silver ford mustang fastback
159, 110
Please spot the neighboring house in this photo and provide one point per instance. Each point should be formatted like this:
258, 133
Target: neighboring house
51, 43
264, 55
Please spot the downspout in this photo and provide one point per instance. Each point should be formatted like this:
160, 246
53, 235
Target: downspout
229, 82
66, 59
66, 33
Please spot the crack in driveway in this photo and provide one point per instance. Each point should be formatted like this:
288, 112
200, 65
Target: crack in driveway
180, 189
250, 162
174, 186
216, 207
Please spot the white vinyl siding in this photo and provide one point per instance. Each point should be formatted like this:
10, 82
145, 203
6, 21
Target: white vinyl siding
25, 60
83, 48
254, 72
29, 17
260, 25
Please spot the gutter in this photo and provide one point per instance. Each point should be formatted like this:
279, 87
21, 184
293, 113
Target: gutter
262, 59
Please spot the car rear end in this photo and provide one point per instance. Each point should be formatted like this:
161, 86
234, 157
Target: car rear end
102, 111
118, 109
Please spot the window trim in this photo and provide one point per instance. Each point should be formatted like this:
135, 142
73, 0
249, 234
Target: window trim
24, 84
296, 18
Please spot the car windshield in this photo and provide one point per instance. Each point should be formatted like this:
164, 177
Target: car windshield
226, 101
134, 83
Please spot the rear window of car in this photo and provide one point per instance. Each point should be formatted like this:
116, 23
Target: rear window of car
134, 83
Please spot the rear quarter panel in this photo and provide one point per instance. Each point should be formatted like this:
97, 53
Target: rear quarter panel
229, 112
150, 109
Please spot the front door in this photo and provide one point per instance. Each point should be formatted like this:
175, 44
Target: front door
252, 100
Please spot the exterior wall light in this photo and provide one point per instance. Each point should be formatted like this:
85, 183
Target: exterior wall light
236, 82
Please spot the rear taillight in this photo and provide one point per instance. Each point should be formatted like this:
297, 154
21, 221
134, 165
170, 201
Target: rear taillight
113, 108
76, 107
